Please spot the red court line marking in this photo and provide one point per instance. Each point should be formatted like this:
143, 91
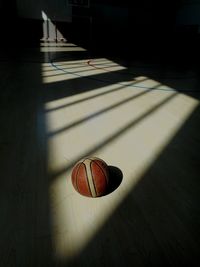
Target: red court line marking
98, 68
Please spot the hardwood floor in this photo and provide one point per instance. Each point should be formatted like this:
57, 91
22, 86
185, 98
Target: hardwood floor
57, 105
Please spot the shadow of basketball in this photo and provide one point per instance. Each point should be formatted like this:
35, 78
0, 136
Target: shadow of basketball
115, 179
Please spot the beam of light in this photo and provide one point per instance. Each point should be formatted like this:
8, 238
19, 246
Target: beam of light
127, 127
50, 32
76, 219
91, 94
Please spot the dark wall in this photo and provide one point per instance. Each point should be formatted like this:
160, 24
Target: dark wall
55, 10
144, 28
130, 28
16, 31
8, 17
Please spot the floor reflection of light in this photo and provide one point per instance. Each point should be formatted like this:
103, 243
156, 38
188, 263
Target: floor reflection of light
61, 49
77, 219
67, 69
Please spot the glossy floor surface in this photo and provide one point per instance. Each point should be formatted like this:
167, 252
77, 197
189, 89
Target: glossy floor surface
58, 104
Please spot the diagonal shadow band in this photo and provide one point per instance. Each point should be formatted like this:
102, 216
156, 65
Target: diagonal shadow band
79, 65
114, 136
65, 71
95, 77
94, 115
95, 96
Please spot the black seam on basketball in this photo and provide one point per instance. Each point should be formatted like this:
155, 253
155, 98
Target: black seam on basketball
93, 181
104, 172
87, 179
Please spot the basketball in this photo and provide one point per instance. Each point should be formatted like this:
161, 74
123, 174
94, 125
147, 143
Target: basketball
90, 177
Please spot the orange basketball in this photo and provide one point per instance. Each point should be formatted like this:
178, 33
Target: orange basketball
90, 177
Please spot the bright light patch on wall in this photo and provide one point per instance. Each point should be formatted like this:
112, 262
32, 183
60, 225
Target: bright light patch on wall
121, 124
50, 32
44, 16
